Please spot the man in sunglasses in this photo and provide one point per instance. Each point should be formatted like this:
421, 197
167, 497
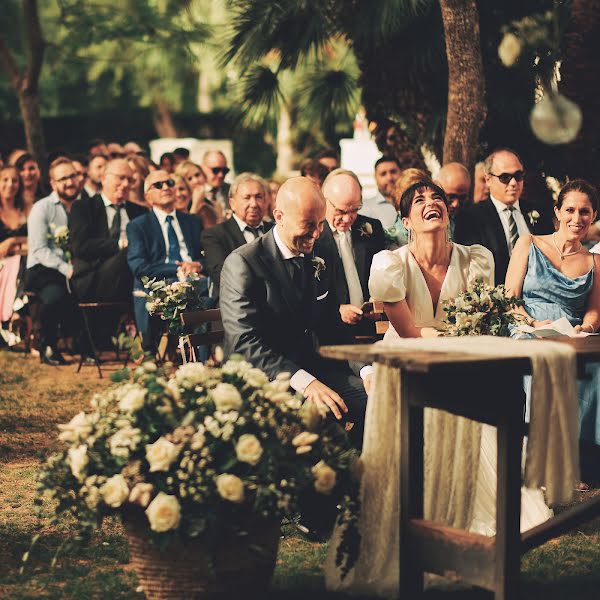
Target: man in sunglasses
161, 242
215, 167
499, 221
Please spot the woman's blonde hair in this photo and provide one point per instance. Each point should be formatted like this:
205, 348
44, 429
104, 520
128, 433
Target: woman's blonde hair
407, 178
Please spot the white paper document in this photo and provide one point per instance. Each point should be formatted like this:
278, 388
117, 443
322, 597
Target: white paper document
560, 327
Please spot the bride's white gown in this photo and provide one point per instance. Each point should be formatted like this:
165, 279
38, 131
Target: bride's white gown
459, 455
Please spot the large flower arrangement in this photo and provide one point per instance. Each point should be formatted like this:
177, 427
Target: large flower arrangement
482, 310
169, 300
202, 444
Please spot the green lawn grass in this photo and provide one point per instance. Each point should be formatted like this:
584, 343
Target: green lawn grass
34, 398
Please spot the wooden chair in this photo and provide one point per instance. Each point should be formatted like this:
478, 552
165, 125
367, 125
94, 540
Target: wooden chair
381, 324
211, 319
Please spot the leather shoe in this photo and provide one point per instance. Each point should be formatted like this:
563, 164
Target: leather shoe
52, 357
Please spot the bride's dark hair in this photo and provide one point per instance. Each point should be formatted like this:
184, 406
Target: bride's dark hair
579, 185
416, 188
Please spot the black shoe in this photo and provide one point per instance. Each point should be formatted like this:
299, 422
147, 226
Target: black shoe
52, 357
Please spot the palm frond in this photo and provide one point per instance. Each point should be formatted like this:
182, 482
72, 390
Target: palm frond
260, 96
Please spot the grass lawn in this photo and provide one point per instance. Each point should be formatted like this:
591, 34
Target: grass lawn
35, 397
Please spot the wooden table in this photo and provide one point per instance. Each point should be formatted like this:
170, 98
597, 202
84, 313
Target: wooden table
489, 390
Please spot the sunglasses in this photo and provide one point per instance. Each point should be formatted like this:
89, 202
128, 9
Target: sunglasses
505, 178
159, 184
217, 170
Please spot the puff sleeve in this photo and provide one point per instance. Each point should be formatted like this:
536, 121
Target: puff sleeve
387, 280
481, 265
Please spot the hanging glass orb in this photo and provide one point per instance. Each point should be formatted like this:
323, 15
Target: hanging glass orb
555, 119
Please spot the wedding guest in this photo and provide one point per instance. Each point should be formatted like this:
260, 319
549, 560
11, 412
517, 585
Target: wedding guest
381, 205
30, 174
314, 170
14, 156
183, 194
167, 162
48, 266
161, 242
140, 170
97, 146
214, 165
498, 222
558, 277
133, 148
96, 168
81, 166
249, 206
274, 186
97, 229
116, 150
329, 158
349, 241
481, 189
180, 155
274, 307
455, 179
208, 211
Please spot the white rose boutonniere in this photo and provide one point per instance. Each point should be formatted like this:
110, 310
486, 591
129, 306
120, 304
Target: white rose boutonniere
533, 216
319, 266
366, 230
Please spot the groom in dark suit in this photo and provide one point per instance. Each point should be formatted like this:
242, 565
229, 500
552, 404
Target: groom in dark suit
277, 303
162, 241
350, 241
498, 222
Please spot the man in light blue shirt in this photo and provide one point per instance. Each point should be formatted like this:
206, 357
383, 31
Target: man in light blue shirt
48, 266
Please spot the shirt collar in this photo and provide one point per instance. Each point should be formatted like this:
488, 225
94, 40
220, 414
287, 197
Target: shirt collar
162, 215
285, 251
500, 206
242, 224
108, 203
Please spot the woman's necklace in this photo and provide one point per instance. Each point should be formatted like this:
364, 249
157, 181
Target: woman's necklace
563, 255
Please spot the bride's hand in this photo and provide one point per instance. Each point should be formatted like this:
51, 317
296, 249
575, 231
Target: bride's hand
538, 324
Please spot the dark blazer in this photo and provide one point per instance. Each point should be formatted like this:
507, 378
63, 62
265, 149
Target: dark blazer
481, 224
365, 246
218, 243
91, 243
264, 318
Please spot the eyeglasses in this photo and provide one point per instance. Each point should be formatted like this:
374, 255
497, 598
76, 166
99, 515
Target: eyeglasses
462, 198
68, 178
159, 184
505, 178
217, 170
342, 213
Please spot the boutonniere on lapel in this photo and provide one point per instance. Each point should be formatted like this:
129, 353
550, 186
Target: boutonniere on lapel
366, 230
533, 216
319, 266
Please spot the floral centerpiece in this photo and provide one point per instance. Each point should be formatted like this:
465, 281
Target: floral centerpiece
169, 300
482, 310
202, 448
59, 236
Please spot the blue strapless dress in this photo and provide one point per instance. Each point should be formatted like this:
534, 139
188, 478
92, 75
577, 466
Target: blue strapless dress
548, 294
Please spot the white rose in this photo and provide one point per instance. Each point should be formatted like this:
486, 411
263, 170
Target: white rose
230, 488
256, 378
324, 477
115, 491
141, 494
93, 497
124, 441
164, 513
77, 428
226, 397
305, 439
133, 399
311, 414
78, 461
509, 49
198, 439
248, 449
190, 375
161, 454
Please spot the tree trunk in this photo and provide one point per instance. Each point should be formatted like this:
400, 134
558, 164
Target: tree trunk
204, 103
29, 103
466, 83
285, 152
580, 81
163, 120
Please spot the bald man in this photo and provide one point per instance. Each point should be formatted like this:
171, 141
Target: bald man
277, 302
97, 228
162, 241
350, 240
455, 179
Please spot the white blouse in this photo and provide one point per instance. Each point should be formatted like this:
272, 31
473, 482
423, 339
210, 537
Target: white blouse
397, 276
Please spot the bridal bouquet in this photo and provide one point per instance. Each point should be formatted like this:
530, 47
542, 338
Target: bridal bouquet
482, 310
59, 236
171, 299
196, 446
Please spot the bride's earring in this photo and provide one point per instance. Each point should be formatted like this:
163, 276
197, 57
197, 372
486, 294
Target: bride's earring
447, 234
411, 237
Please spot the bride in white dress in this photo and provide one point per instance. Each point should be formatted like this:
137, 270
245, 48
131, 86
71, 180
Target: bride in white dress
460, 455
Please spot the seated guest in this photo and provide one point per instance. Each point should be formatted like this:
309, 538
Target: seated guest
274, 308
139, 167
31, 180
381, 205
349, 241
161, 242
328, 157
93, 182
214, 165
167, 162
208, 211
115, 150
314, 170
180, 154
81, 166
183, 194
97, 146
455, 179
98, 239
48, 267
249, 205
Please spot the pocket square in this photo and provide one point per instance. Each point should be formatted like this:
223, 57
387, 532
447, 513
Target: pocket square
323, 295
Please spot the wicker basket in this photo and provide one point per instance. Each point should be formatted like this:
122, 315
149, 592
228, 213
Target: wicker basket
231, 563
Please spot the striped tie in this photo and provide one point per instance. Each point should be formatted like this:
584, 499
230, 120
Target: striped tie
513, 232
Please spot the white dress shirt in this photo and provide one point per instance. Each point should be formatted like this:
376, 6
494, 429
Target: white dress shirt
161, 215
248, 235
504, 216
110, 215
350, 270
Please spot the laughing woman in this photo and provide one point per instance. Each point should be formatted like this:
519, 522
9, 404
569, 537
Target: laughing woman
557, 277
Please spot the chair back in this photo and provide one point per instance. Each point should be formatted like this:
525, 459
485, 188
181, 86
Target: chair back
214, 333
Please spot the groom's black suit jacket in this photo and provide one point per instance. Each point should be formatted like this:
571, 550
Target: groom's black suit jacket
481, 224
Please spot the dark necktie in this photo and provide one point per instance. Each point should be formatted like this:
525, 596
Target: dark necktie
298, 273
174, 254
513, 231
255, 231
115, 226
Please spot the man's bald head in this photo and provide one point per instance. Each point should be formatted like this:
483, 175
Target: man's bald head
299, 214
455, 179
343, 194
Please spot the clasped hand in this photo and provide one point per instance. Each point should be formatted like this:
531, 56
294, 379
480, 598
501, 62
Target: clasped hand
187, 268
324, 396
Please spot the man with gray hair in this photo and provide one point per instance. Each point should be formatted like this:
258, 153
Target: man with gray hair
248, 199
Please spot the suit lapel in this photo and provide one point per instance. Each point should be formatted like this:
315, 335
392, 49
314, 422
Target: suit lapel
156, 237
234, 232
495, 229
359, 245
100, 211
337, 275
184, 223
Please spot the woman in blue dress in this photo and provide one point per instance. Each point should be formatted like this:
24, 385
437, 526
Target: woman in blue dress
558, 277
